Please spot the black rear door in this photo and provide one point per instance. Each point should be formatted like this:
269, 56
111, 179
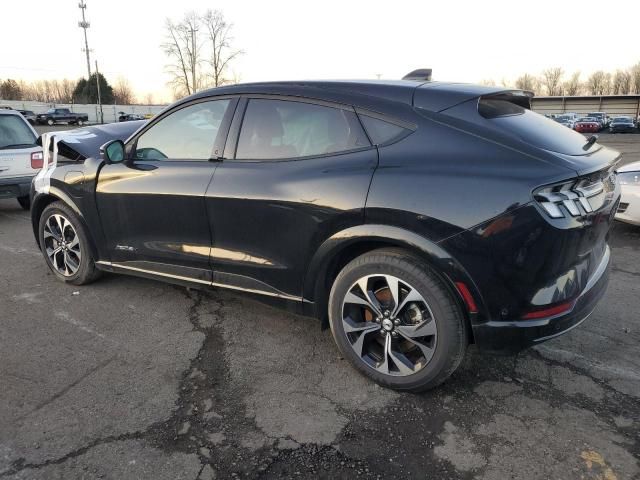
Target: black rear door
152, 205
295, 172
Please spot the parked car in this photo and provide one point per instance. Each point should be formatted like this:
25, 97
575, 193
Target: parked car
629, 207
58, 115
413, 217
587, 125
602, 117
29, 115
566, 120
622, 125
128, 117
20, 156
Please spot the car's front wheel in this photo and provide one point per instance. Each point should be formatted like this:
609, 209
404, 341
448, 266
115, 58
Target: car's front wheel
395, 321
65, 245
50, 121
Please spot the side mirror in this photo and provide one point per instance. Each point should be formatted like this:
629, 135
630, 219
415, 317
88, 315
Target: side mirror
113, 151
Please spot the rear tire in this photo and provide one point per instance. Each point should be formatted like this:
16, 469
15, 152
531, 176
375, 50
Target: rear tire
65, 245
25, 202
424, 340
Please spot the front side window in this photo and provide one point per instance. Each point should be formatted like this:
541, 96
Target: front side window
187, 134
275, 129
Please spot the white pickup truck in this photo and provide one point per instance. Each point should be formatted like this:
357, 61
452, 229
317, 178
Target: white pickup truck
20, 157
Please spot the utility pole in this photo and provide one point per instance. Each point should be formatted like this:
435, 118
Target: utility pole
99, 99
84, 25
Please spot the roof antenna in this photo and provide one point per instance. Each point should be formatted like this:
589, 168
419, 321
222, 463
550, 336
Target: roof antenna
421, 75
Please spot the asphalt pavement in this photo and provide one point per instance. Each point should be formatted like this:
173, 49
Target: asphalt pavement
131, 378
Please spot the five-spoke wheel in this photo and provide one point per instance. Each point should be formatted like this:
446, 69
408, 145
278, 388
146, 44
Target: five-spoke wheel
389, 324
64, 244
395, 321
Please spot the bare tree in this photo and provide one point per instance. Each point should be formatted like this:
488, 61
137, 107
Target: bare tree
183, 47
599, 83
528, 82
552, 80
634, 73
122, 92
221, 53
621, 82
148, 99
573, 86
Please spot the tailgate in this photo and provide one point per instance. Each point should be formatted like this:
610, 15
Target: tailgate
17, 163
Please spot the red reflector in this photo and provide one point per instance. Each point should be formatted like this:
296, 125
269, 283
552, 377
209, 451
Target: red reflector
36, 159
549, 312
468, 299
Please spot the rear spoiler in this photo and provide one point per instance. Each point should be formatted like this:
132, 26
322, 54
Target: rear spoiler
440, 96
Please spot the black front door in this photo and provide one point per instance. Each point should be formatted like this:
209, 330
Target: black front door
300, 173
152, 205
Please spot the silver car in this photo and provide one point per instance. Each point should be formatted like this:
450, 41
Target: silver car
20, 157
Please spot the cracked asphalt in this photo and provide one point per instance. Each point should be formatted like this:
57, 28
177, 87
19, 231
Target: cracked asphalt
130, 378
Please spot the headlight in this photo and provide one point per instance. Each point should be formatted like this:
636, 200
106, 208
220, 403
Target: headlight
629, 178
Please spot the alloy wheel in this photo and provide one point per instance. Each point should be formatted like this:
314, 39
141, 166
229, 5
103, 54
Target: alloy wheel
62, 245
389, 325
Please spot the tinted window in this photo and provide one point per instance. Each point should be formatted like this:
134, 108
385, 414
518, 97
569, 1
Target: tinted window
274, 129
15, 132
380, 131
531, 127
187, 134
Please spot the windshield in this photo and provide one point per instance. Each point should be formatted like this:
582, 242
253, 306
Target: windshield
51, 110
14, 133
621, 120
596, 115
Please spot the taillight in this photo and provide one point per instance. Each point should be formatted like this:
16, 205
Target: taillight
575, 198
36, 160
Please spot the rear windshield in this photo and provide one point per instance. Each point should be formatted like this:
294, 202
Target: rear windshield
531, 127
14, 133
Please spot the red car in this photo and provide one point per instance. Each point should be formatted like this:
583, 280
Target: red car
587, 125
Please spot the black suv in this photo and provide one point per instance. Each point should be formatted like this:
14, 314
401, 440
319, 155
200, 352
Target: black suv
413, 217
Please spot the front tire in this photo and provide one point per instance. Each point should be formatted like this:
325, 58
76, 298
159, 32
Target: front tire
80, 122
65, 246
25, 202
50, 122
395, 321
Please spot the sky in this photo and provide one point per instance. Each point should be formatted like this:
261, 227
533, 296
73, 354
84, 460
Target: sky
466, 41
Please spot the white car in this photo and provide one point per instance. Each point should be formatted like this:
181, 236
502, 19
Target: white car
20, 157
629, 208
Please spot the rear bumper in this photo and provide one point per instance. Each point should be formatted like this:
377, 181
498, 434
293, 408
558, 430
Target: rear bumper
511, 337
15, 187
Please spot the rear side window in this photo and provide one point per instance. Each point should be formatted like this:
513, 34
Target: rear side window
381, 131
14, 133
277, 129
531, 127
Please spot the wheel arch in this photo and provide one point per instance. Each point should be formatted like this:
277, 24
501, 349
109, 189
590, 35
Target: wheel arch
341, 248
41, 201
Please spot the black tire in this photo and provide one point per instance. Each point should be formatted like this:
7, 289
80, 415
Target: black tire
80, 122
50, 122
451, 326
25, 202
86, 269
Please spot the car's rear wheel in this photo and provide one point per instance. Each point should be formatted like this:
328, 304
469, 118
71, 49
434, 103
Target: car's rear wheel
65, 246
395, 321
25, 202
